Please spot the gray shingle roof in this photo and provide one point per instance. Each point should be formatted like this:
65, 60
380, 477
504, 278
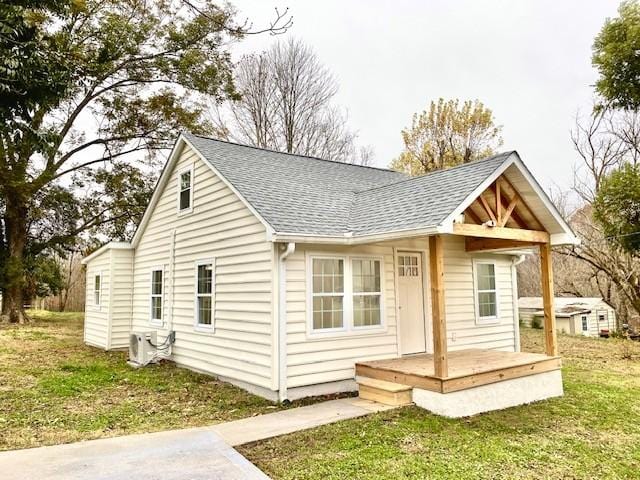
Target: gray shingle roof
306, 195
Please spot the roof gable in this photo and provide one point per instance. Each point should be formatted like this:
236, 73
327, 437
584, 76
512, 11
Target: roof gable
310, 199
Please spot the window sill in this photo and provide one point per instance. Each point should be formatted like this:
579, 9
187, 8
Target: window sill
185, 212
487, 321
204, 330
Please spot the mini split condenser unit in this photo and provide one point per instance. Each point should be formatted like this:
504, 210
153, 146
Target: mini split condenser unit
142, 348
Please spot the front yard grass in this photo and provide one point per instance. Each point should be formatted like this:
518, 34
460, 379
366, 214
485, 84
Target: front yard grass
54, 389
593, 432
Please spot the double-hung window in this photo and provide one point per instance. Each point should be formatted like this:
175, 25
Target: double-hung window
345, 293
366, 292
485, 292
204, 303
328, 293
157, 289
185, 190
97, 289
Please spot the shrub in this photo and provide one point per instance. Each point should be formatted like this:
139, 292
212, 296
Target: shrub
536, 322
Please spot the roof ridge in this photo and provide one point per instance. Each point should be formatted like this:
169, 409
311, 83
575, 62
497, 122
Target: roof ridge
507, 154
293, 154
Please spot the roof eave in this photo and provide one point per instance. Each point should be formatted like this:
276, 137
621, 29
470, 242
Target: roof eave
348, 239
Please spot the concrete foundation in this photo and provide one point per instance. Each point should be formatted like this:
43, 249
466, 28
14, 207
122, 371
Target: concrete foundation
495, 396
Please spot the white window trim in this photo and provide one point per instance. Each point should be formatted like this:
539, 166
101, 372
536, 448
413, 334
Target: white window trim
185, 211
582, 329
380, 293
96, 306
199, 327
348, 328
157, 322
493, 319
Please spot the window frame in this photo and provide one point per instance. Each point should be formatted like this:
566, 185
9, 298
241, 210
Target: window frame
158, 322
189, 169
584, 320
97, 306
203, 327
380, 293
348, 327
492, 319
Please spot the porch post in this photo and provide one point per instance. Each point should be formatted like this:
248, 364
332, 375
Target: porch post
546, 270
436, 273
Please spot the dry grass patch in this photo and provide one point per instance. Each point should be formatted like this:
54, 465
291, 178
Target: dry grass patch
54, 389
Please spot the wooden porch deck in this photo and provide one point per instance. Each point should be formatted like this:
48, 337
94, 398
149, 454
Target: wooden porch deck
467, 369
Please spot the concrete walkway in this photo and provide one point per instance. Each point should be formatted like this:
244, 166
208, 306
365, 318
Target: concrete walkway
274, 424
193, 454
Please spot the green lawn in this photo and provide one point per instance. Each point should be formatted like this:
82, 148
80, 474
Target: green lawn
592, 432
54, 389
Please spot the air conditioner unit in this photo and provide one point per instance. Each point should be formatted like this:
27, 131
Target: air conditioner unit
142, 348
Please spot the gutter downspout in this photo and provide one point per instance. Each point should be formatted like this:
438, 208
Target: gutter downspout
282, 321
514, 287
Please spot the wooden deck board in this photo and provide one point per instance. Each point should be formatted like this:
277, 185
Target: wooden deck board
467, 369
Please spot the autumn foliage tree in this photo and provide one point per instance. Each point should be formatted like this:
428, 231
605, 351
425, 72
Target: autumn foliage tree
447, 134
86, 86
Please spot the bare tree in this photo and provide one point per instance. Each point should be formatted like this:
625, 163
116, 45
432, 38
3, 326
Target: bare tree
600, 146
286, 104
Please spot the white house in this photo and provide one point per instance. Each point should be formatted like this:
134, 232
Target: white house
589, 316
280, 273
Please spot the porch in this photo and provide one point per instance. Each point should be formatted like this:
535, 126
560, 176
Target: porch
457, 382
468, 368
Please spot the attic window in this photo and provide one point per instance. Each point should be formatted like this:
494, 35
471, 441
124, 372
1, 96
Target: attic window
185, 190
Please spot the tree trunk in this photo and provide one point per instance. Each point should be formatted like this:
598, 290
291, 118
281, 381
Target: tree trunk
15, 223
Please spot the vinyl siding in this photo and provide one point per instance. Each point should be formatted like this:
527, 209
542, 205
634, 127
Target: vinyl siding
96, 318
462, 329
312, 359
221, 228
332, 357
563, 325
121, 296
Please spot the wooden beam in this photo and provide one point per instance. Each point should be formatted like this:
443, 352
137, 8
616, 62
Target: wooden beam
476, 244
498, 205
487, 208
468, 230
546, 269
533, 215
438, 318
506, 201
474, 216
509, 211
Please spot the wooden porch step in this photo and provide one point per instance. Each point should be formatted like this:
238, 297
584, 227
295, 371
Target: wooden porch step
381, 391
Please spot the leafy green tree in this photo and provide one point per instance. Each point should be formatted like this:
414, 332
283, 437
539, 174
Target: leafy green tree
617, 207
87, 88
446, 135
615, 55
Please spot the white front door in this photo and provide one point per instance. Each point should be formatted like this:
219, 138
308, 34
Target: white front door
411, 303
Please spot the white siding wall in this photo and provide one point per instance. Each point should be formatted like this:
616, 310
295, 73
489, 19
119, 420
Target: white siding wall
332, 358
563, 324
121, 296
462, 330
221, 228
96, 318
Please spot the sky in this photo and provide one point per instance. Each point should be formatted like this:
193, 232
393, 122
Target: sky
529, 61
